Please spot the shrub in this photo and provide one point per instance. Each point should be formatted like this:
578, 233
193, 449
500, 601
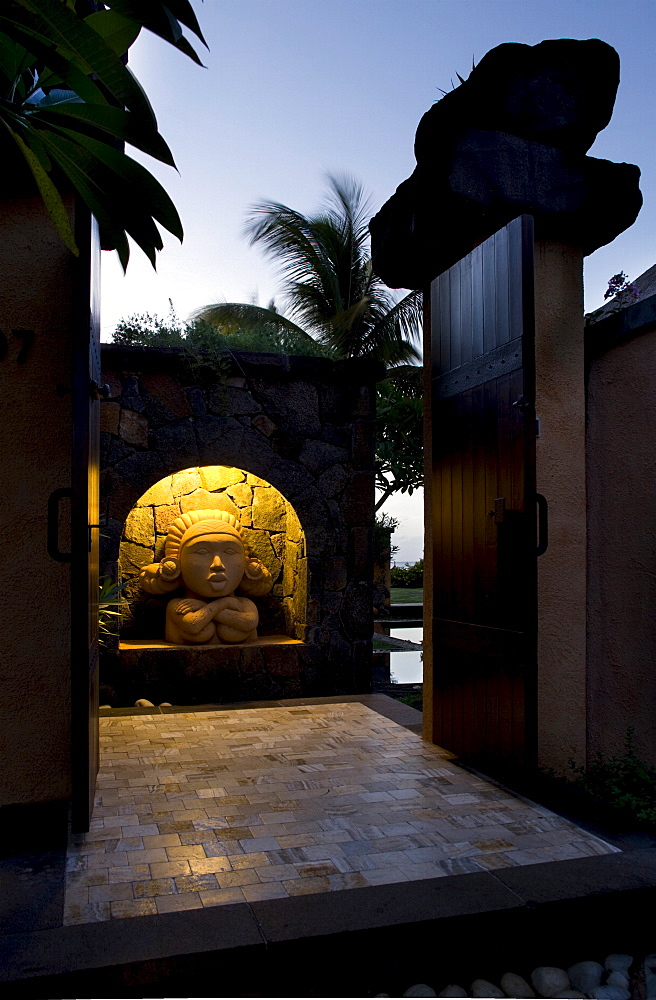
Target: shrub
384, 527
408, 576
623, 782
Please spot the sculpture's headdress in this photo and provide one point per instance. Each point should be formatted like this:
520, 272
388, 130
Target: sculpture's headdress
200, 522
164, 577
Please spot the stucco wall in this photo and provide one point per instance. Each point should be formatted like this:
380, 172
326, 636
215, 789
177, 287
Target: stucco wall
622, 539
560, 477
35, 295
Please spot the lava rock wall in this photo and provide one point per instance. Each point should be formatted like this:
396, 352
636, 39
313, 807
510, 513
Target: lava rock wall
301, 426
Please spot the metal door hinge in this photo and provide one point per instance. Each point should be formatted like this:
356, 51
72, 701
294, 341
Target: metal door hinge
498, 512
97, 391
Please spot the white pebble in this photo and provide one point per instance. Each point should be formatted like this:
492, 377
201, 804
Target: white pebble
453, 991
618, 963
650, 976
516, 986
610, 993
143, 703
585, 976
420, 990
548, 980
483, 988
618, 979
167, 704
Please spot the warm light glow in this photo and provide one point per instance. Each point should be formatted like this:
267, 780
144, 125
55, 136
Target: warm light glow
270, 525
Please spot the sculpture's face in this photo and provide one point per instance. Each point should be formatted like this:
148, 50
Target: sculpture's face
213, 565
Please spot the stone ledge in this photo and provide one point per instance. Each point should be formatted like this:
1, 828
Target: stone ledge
610, 329
272, 666
264, 640
248, 364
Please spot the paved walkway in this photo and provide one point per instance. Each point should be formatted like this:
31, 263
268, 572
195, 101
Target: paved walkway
211, 808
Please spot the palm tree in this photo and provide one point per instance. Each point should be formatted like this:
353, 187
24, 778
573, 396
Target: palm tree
332, 294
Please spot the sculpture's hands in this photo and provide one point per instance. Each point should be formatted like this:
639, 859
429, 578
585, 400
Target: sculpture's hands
237, 619
193, 615
226, 604
187, 604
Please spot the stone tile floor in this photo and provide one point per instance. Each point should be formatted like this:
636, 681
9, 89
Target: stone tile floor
217, 807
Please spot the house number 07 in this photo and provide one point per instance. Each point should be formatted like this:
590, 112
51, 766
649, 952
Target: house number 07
26, 337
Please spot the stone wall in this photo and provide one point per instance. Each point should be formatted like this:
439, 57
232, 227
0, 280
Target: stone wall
303, 427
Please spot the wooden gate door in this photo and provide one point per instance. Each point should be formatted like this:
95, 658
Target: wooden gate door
484, 502
85, 522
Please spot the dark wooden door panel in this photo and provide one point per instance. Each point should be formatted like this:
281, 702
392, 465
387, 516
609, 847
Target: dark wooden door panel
484, 576
85, 524
481, 700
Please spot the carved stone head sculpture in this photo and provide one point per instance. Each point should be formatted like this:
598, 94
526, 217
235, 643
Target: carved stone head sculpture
206, 554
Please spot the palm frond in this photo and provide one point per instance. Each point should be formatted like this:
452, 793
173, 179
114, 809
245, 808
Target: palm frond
405, 316
331, 291
231, 317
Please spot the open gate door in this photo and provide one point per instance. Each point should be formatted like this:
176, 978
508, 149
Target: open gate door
85, 522
484, 502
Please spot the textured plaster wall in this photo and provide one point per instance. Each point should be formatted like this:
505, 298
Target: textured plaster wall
35, 294
622, 546
560, 473
271, 527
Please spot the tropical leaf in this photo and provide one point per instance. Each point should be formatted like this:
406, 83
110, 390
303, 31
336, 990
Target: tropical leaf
123, 195
14, 61
50, 195
117, 31
163, 19
93, 191
69, 102
82, 47
110, 123
49, 66
143, 187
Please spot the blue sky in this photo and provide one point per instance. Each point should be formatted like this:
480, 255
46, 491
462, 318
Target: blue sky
294, 89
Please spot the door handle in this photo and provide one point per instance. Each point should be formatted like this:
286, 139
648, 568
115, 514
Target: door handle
543, 524
52, 541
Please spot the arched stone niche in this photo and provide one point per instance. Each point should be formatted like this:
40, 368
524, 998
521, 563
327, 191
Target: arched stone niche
271, 527
302, 426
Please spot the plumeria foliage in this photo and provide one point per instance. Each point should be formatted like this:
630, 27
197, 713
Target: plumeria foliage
69, 103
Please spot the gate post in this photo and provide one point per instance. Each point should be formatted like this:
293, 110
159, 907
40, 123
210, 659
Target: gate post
560, 477
510, 141
36, 297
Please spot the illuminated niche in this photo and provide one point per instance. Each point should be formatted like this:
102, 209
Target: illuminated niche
272, 530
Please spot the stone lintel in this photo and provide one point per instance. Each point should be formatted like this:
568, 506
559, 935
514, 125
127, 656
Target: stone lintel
509, 141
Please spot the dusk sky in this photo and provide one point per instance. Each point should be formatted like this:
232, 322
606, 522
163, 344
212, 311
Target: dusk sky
295, 89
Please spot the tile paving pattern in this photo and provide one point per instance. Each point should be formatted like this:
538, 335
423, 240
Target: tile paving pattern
212, 808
